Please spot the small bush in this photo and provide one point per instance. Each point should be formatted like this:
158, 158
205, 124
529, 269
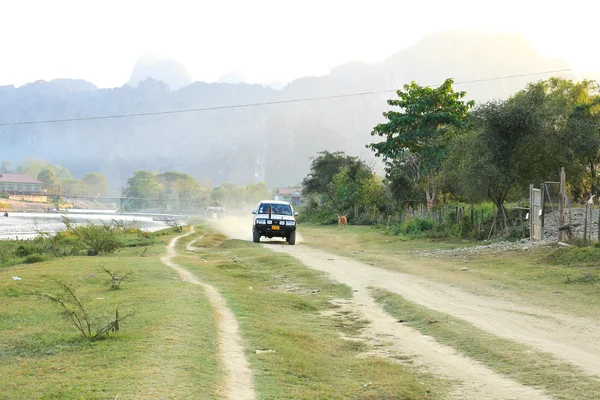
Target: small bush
73, 308
34, 258
416, 226
98, 239
24, 250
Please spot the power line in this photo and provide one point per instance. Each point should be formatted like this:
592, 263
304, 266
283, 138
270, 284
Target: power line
189, 110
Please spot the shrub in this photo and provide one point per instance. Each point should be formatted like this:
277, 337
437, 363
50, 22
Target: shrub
34, 258
416, 226
73, 308
98, 239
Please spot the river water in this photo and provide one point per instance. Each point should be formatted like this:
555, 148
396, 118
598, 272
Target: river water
28, 225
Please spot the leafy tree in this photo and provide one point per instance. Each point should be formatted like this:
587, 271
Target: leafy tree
256, 192
32, 167
583, 129
95, 183
142, 185
419, 133
325, 166
360, 191
523, 140
47, 177
61, 172
403, 178
73, 187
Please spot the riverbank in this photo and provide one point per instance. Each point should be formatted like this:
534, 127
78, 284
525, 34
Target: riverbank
29, 206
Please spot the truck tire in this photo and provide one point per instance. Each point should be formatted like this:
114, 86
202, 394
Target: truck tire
292, 238
256, 236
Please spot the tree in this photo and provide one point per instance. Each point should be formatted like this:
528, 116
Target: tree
47, 177
420, 131
523, 140
32, 167
325, 166
61, 172
361, 191
256, 192
73, 187
95, 183
142, 185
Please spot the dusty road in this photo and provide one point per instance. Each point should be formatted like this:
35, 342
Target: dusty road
573, 339
237, 379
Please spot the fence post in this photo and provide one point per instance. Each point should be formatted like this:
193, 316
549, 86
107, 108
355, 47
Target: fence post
561, 205
585, 225
531, 212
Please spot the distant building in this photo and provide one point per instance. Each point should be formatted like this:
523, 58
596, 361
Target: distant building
292, 195
20, 183
22, 187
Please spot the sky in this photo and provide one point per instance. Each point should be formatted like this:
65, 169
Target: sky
266, 40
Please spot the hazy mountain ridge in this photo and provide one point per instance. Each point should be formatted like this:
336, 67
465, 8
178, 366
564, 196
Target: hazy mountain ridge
242, 145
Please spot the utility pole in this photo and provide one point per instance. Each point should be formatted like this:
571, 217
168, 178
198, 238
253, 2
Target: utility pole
58, 198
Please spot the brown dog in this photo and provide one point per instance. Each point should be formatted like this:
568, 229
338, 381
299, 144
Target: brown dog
342, 221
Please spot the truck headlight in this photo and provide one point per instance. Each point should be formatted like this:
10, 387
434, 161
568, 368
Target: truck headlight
290, 223
269, 222
261, 221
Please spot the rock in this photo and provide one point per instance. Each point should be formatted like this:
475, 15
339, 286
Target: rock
264, 351
464, 269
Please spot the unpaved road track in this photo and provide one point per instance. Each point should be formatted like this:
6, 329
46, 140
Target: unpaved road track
238, 375
474, 381
573, 339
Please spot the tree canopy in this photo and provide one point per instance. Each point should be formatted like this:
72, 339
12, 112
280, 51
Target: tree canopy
420, 131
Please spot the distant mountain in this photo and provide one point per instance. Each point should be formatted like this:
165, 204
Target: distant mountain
170, 71
243, 145
232, 77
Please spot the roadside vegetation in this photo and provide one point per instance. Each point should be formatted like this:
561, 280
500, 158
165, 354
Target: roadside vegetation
91, 240
166, 348
456, 169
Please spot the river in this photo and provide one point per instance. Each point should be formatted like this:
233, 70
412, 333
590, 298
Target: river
27, 225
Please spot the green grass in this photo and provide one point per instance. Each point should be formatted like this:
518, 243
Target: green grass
276, 302
519, 362
166, 349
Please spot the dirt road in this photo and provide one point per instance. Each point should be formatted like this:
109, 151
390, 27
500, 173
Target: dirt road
237, 378
576, 340
572, 339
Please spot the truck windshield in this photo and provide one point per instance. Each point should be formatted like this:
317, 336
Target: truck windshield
277, 209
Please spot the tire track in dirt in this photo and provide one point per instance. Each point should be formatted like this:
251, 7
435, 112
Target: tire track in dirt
238, 378
474, 380
572, 339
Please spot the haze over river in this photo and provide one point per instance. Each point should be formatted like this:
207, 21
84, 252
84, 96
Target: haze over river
28, 225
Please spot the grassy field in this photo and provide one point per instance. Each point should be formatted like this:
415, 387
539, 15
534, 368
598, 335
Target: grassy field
166, 349
307, 348
282, 307
563, 280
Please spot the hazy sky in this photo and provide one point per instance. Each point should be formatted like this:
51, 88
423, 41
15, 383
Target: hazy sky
266, 40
